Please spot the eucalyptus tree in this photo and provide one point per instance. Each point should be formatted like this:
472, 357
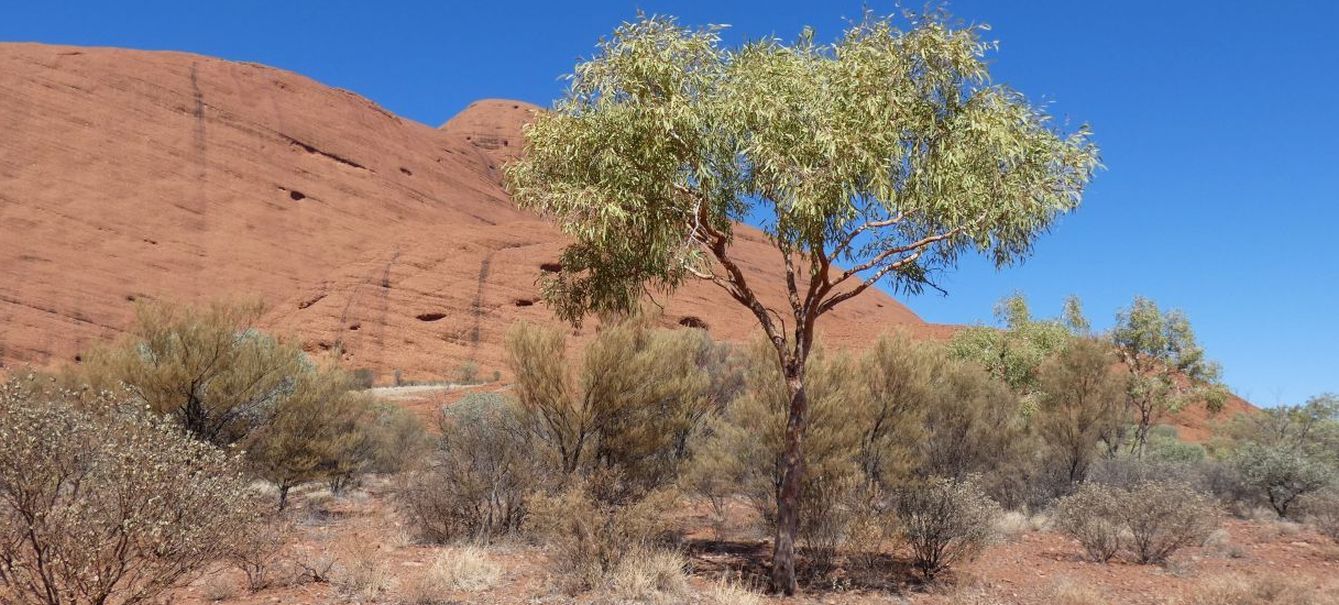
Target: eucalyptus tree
1168, 369
879, 158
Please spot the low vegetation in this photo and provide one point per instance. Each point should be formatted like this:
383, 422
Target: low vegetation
101, 501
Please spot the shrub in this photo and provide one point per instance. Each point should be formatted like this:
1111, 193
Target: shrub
738, 452
209, 369
631, 406
945, 522
1165, 517
1281, 474
313, 434
1158, 517
364, 378
591, 538
1268, 590
475, 482
258, 552
1092, 515
725, 592
106, 503
393, 439
359, 574
1080, 401
1321, 511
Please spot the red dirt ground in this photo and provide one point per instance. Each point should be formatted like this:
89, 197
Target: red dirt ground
1026, 569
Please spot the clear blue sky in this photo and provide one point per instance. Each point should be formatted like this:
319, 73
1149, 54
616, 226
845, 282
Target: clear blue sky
1217, 121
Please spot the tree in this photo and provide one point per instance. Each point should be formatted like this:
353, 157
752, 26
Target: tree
316, 433
1167, 367
1016, 352
888, 151
1287, 452
1082, 394
210, 369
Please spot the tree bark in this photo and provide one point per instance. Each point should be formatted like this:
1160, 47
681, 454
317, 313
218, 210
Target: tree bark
792, 481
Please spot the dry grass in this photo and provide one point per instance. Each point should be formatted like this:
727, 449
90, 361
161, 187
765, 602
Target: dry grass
465, 569
727, 592
1012, 524
652, 576
1270, 590
1069, 592
361, 576
215, 587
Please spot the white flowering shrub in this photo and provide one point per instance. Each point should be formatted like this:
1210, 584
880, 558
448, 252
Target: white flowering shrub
105, 504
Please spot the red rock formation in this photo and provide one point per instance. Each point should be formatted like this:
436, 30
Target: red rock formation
129, 175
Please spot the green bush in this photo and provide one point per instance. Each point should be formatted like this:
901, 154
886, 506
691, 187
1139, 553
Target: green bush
1281, 474
1321, 511
1165, 517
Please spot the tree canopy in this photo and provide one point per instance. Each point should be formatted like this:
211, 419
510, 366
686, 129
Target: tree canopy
889, 150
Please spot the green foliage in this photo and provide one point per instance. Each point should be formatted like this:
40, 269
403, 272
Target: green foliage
102, 502
1015, 352
224, 381
973, 426
889, 150
1280, 474
945, 522
210, 369
896, 389
903, 410
1321, 510
317, 432
742, 447
1312, 427
888, 136
1168, 368
1165, 445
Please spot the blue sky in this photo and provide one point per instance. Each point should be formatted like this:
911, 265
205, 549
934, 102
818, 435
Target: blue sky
1216, 118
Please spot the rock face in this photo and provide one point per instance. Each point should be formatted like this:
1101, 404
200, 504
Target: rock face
130, 175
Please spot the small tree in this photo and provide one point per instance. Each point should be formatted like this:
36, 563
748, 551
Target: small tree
1015, 352
896, 377
210, 369
102, 503
474, 484
316, 433
638, 394
889, 151
1281, 474
1081, 398
1167, 367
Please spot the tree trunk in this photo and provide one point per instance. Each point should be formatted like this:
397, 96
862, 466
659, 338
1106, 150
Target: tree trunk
792, 480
